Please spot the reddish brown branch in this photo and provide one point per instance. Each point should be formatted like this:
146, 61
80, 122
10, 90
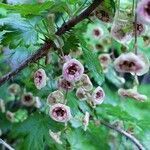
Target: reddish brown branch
126, 134
46, 46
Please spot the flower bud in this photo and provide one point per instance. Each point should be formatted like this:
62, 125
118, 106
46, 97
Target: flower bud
86, 120
60, 113
131, 63
73, 70
37, 103
10, 116
94, 32
55, 97
103, 15
105, 60
55, 136
2, 106
40, 78
28, 99
14, 89
81, 94
132, 93
140, 28
65, 85
143, 11
86, 82
98, 96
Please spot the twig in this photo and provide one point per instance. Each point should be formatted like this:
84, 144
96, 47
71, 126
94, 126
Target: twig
124, 133
47, 45
6, 145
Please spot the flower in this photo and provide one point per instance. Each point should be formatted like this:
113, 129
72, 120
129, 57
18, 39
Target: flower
86, 82
81, 93
14, 89
55, 136
132, 93
143, 11
40, 78
65, 85
98, 96
60, 113
10, 116
86, 120
94, 32
105, 60
28, 99
103, 15
140, 28
55, 97
120, 31
131, 63
37, 103
73, 70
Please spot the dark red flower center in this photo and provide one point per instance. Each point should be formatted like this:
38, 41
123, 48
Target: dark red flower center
73, 69
147, 8
104, 59
65, 84
27, 98
99, 94
96, 32
59, 111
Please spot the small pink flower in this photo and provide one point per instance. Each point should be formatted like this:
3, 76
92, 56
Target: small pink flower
28, 99
40, 78
132, 93
14, 89
73, 70
98, 96
143, 11
131, 63
86, 120
10, 116
86, 82
55, 97
60, 113
81, 94
105, 60
119, 32
65, 85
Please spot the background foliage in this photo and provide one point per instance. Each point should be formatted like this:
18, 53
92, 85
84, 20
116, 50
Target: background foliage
22, 30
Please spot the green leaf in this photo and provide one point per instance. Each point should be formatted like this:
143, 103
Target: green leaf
35, 131
28, 9
112, 76
79, 139
22, 30
93, 65
107, 110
